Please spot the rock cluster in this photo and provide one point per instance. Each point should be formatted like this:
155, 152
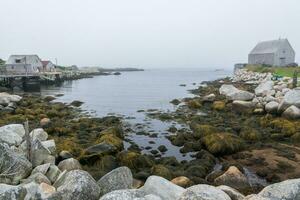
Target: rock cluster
37, 177
269, 96
8, 102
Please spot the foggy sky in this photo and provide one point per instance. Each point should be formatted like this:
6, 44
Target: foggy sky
145, 33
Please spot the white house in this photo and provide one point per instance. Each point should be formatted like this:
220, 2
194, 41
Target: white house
48, 66
23, 64
274, 52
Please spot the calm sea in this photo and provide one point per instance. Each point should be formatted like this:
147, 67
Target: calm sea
132, 91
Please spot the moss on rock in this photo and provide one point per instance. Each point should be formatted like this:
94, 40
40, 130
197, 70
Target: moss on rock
161, 170
218, 105
223, 143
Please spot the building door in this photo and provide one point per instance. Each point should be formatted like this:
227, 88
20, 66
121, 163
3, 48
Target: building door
282, 62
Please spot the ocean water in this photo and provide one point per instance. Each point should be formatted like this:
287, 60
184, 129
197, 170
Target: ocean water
124, 95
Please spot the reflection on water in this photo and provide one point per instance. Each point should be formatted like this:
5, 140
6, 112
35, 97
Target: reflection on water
132, 91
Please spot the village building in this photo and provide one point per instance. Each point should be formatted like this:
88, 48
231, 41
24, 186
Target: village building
274, 53
23, 64
48, 66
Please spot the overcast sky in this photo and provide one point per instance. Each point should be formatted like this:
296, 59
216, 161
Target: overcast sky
145, 33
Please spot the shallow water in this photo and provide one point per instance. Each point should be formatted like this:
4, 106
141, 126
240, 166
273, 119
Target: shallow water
132, 91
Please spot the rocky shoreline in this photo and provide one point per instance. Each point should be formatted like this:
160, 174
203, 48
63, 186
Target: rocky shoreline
238, 137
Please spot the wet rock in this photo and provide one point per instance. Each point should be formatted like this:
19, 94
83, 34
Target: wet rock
76, 185
243, 106
264, 88
154, 151
292, 112
234, 178
232, 193
100, 149
182, 181
12, 134
12, 192
204, 192
272, 107
14, 166
232, 93
292, 97
118, 179
76, 103
162, 148
69, 164
39, 133
162, 188
175, 102
288, 190
125, 195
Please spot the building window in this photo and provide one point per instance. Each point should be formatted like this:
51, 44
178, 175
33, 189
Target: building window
18, 60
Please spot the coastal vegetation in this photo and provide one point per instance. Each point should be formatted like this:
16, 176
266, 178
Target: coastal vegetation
279, 71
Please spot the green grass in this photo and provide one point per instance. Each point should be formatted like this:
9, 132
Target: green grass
280, 71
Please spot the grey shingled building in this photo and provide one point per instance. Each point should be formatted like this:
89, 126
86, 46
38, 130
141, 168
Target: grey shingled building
275, 52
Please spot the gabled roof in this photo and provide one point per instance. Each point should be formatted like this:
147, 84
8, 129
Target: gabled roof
271, 46
24, 58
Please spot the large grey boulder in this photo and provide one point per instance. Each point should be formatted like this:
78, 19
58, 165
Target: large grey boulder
13, 166
50, 145
287, 190
232, 93
6, 98
272, 107
162, 188
12, 192
204, 192
33, 191
131, 194
264, 88
76, 185
12, 134
69, 164
117, 179
39, 133
292, 97
292, 112
39, 153
232, 193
